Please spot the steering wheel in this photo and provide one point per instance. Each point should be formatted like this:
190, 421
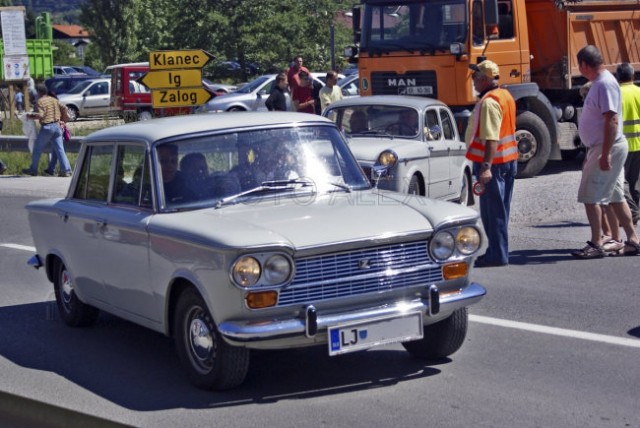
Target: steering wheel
400, 129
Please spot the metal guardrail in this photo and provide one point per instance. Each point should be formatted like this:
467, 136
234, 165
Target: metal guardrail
19, 143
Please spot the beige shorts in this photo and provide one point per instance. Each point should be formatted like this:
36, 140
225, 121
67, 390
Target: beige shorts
603, 187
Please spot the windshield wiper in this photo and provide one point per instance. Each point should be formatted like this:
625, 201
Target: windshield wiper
267, 186
340, 185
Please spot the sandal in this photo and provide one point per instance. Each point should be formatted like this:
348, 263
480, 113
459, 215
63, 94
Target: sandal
631, 248
613, 247
591, 251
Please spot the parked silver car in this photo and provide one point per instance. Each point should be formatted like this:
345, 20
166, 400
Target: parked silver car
350, 85
253, 231
407, 144
249, 97
88, 98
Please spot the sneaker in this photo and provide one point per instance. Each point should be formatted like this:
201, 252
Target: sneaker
65, 174
613, 247
49, 173
27, 171
591, 251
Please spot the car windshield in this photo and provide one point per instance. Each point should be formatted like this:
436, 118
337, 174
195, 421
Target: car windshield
253, 85
224, 169
78, 88
391, 121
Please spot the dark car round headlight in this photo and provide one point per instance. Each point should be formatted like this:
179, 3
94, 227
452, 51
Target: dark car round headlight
442, 245
246, 271
468, 240
277, 269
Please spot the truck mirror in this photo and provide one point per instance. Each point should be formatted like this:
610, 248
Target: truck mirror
491, 13
355, 19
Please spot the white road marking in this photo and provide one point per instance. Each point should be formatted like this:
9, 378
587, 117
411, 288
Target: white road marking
576, 334
19, 247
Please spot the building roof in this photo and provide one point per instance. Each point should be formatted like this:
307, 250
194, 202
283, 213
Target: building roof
71, 31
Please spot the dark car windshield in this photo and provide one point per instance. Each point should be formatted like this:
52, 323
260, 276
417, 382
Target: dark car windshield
238, 166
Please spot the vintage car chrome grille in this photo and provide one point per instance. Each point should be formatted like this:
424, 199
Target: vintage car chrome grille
392, 83
359, 272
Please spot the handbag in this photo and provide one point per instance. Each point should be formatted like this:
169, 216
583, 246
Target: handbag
66, 134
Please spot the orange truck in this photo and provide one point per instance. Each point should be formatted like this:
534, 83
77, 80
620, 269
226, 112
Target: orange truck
424, 48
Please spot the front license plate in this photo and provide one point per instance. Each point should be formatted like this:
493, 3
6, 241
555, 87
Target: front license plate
418, 90
381, 331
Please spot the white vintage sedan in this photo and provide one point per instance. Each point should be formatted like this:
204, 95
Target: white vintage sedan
257, 231
407, 144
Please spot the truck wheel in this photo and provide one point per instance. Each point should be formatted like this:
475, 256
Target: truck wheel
442, 338
72, 311
534, 144
73, 113
210, 362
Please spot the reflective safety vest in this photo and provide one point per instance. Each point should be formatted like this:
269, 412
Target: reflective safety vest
507, 148
631, 114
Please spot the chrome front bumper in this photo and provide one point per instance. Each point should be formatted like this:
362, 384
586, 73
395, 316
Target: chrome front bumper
313, 323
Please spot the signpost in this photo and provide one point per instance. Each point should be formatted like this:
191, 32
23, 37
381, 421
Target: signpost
175, 78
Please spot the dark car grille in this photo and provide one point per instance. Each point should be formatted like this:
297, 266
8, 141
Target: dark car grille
360, 272
392, 83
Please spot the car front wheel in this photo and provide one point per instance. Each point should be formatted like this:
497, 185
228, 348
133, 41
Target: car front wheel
442, 338
210, 362
73, 113
72, 311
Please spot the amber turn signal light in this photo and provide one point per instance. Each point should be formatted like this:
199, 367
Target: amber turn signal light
455, 270
262, 299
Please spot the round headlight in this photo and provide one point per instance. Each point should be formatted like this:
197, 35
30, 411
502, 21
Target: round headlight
246, 271
277, 269
387, 158
468, 240
442, 245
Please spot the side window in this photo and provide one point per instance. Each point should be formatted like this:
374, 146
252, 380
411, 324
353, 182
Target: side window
99, 89
447, 125
432, 125
505, 20
132, 185
93, 182
478, 23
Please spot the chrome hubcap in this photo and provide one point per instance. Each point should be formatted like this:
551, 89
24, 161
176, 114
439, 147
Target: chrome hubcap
200, 341
66, 290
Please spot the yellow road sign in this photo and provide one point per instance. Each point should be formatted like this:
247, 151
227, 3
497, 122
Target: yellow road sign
185, 97
166, 60
172, 79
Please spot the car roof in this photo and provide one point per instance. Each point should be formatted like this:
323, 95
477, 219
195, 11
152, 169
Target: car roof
163, 128
395, 100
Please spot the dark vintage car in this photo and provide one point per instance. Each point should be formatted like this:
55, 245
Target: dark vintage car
233, 232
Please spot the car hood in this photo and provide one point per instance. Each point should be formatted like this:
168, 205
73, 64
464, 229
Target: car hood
302, 223
366, 149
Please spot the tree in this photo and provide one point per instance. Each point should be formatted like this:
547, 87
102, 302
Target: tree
116, 28
64, 53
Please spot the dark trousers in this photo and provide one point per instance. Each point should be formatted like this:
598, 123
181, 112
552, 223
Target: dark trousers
495, 207
631, 176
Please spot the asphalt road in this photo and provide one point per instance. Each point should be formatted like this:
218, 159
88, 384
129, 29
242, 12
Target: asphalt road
556, 343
